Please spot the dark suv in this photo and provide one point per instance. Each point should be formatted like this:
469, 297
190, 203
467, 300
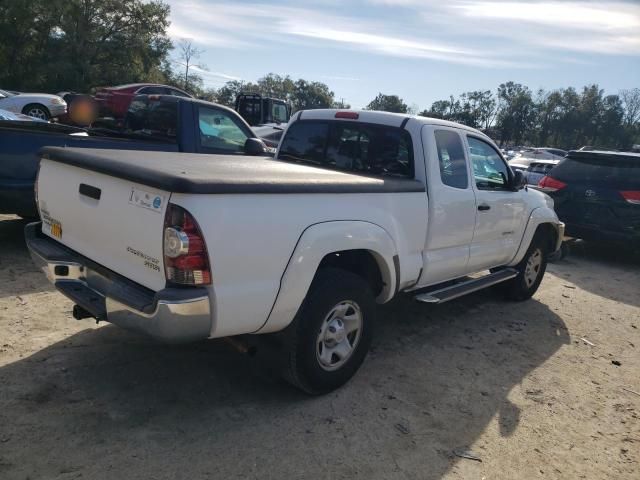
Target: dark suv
597, 194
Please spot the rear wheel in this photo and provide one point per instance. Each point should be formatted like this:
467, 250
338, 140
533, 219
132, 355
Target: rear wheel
332, 332
37, 111
530, 271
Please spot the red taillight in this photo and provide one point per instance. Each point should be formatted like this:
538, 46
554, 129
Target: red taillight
349, 115
186, 261
631, 196
550, 184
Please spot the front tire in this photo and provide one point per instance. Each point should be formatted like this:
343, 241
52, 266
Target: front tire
332, 332
37, 111
530, 271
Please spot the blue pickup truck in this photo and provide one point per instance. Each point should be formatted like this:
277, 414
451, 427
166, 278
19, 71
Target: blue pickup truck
153, 122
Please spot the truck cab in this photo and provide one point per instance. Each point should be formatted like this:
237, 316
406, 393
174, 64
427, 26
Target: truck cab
258, 110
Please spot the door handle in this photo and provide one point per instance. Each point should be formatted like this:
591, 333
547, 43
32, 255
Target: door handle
89, 191
484, 207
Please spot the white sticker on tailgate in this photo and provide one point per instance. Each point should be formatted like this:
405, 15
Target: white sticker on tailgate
147, 200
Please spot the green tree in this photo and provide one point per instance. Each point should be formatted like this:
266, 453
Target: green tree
516, 112
311, 95
388, 103
78, 44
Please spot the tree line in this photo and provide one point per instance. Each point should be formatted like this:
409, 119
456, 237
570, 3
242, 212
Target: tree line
61, 45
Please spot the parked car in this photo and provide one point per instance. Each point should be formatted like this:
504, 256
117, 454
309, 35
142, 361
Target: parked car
158, 123
351, 212
528, 155
597, 194
114, 101
6, 115
518, 167
37, 105
538, 169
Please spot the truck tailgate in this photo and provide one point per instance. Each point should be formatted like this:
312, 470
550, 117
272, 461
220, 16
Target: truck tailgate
114, 222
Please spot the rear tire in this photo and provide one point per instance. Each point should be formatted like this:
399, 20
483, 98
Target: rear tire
332, 332
37, 110
530, 271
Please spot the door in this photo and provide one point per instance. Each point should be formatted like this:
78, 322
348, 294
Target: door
501, 213
452, 206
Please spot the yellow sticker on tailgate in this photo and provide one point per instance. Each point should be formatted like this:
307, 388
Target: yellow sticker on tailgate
56, 229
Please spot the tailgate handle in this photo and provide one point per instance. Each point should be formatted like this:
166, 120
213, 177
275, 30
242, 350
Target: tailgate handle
89, 191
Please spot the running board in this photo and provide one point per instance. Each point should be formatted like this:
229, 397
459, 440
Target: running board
459, 289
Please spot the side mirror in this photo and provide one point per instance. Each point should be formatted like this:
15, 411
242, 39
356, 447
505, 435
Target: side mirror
254, 146
519, 180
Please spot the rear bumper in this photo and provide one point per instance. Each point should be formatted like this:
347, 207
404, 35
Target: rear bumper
172, 315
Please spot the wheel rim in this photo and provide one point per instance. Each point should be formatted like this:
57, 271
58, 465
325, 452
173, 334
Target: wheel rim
37, 113
532, 270
339, 335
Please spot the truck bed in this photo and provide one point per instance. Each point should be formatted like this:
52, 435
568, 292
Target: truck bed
223, 174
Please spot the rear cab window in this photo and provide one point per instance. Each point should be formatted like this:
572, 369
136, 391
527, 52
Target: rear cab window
351, 146
156, 119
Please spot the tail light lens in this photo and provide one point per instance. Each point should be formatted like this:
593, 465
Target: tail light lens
550, 184
631, 196
186, 261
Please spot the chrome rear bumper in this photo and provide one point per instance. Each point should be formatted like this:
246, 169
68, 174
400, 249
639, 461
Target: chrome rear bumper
171, 315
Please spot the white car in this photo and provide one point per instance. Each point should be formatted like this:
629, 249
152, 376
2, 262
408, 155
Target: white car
357, 207
37, 105
528, 155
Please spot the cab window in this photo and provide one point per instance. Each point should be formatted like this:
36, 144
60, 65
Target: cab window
489, 170
155, 119
219, 131
453, 166
279, 113
351, 146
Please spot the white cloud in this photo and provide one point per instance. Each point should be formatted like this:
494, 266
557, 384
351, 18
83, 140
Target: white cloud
598, 16
485, 33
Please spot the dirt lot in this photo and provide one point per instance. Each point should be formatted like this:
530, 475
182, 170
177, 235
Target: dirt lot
531, 389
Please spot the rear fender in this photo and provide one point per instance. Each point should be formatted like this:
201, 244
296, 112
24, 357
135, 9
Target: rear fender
538, 217
318, 241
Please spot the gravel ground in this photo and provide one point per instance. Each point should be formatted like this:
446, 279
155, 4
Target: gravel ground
540, 389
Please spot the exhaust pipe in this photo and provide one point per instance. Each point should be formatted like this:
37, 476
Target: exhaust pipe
241, 345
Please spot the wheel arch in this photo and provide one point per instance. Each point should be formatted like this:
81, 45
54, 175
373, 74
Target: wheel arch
360, 247
542, 221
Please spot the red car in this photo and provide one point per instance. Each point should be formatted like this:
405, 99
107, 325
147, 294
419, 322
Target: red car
115, 101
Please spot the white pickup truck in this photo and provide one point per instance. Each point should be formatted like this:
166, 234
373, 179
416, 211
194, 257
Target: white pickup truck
356, 207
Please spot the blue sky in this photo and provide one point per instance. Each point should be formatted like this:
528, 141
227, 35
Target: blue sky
422, 50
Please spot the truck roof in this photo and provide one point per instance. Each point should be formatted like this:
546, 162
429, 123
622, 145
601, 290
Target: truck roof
384, 118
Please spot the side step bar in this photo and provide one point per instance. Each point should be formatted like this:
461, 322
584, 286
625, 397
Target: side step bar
459, 289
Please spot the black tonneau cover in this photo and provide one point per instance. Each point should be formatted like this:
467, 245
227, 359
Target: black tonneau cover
197, 173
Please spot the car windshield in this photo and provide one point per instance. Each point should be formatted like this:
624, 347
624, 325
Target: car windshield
5, 94
279, 113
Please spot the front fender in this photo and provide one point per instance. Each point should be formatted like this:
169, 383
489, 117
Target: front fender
538, 216
318, 241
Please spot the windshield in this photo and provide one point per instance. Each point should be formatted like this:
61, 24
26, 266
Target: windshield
279, 113
5, 94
